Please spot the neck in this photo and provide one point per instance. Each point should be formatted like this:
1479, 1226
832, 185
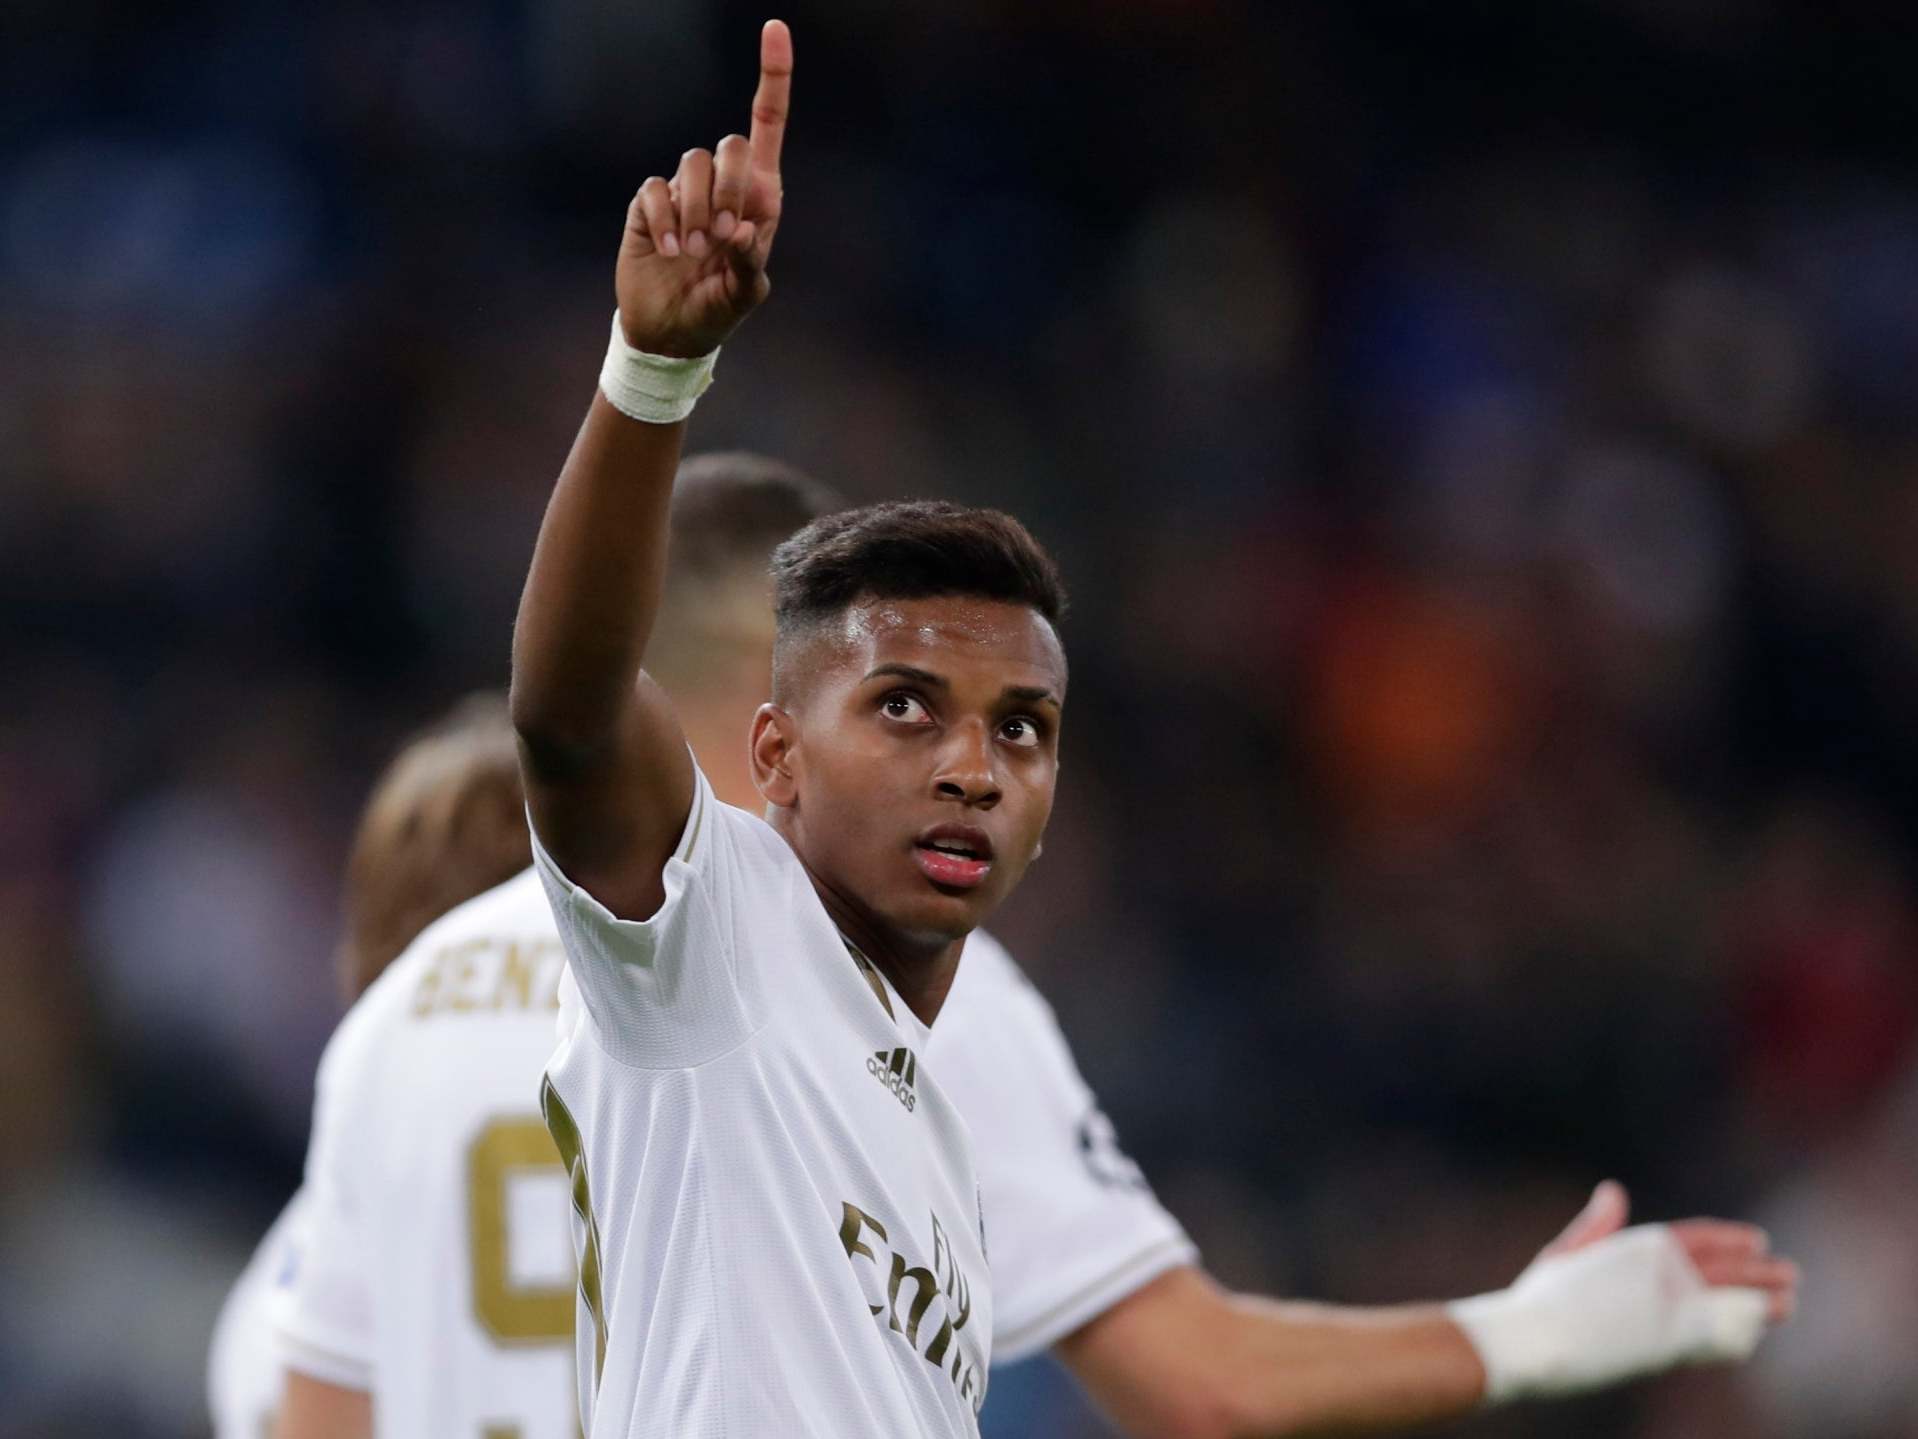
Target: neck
921, 974
920, 971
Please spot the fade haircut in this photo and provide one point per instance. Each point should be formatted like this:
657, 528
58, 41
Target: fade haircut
907, 550
730, 509
446, 821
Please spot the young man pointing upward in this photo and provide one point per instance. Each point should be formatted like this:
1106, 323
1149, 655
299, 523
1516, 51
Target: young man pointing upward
776, 1201
771, 1241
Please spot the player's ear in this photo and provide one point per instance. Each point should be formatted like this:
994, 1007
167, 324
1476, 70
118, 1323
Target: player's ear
771, 752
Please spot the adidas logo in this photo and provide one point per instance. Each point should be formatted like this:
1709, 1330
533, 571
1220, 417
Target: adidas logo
898, 1070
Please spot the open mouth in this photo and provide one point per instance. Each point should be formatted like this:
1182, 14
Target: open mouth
954, 856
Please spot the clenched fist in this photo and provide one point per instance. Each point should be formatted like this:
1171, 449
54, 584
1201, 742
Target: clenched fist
692, 263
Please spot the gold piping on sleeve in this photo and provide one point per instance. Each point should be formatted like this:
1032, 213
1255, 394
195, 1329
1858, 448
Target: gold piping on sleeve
694, 821
1126, 1278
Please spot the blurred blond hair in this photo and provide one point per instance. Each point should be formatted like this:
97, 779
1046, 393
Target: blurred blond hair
445, 822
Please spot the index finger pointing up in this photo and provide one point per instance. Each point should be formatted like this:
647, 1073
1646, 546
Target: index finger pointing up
773, 96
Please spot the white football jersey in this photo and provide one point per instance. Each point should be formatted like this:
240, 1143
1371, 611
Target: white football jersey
244, 1377
433, 1263
777, 1211
1071, 1225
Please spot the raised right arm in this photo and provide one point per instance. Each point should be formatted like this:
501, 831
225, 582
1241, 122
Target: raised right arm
608, 778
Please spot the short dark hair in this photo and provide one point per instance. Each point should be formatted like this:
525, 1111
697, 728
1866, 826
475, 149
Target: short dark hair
731, 507
911, 549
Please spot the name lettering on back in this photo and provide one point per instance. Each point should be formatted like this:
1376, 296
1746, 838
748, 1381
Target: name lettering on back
489, 975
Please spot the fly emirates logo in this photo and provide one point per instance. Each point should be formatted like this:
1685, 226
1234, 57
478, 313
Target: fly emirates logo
926, 1307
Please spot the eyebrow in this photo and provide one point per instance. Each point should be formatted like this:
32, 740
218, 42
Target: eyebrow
909, 672
1024, 694
1030, 695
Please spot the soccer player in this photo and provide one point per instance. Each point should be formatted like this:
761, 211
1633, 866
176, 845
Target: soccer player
415, 1105
1086, 1262
775, 1199
425, 1281
444, 822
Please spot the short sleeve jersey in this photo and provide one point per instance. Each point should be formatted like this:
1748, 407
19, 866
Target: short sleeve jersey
1072, 1225
776, 1206
432, 1263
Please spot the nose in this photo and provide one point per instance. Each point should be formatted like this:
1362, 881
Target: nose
965, 770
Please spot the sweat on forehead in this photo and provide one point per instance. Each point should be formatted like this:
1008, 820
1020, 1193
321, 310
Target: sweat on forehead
960, 628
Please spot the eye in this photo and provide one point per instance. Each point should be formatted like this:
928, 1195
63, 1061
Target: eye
1020, 730
905, 708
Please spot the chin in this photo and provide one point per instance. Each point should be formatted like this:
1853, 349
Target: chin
936, 918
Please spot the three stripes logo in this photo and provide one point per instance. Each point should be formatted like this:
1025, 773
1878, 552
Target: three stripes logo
898, 1070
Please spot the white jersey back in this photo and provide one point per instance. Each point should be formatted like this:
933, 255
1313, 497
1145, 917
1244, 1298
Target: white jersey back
1072, 1224
778, 1213
434, 1265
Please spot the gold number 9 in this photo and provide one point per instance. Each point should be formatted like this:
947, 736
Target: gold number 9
512, 1314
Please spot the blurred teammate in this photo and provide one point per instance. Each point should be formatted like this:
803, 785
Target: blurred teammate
774, 1199
444, 822
432, 1288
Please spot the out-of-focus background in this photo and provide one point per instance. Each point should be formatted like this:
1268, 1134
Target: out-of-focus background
1482, 443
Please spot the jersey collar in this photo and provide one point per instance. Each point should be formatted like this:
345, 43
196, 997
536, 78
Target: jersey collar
897, 1010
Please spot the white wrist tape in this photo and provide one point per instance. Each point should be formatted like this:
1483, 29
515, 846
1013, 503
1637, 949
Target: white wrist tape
1628, 1305
659, 389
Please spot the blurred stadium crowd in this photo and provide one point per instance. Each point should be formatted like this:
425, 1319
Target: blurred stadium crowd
1483, 447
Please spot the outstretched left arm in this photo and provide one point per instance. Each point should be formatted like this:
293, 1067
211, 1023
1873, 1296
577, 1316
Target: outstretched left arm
1184, 1359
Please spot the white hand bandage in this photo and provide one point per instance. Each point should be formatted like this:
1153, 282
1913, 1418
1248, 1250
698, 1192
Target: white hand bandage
1628, 1305
658, 389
